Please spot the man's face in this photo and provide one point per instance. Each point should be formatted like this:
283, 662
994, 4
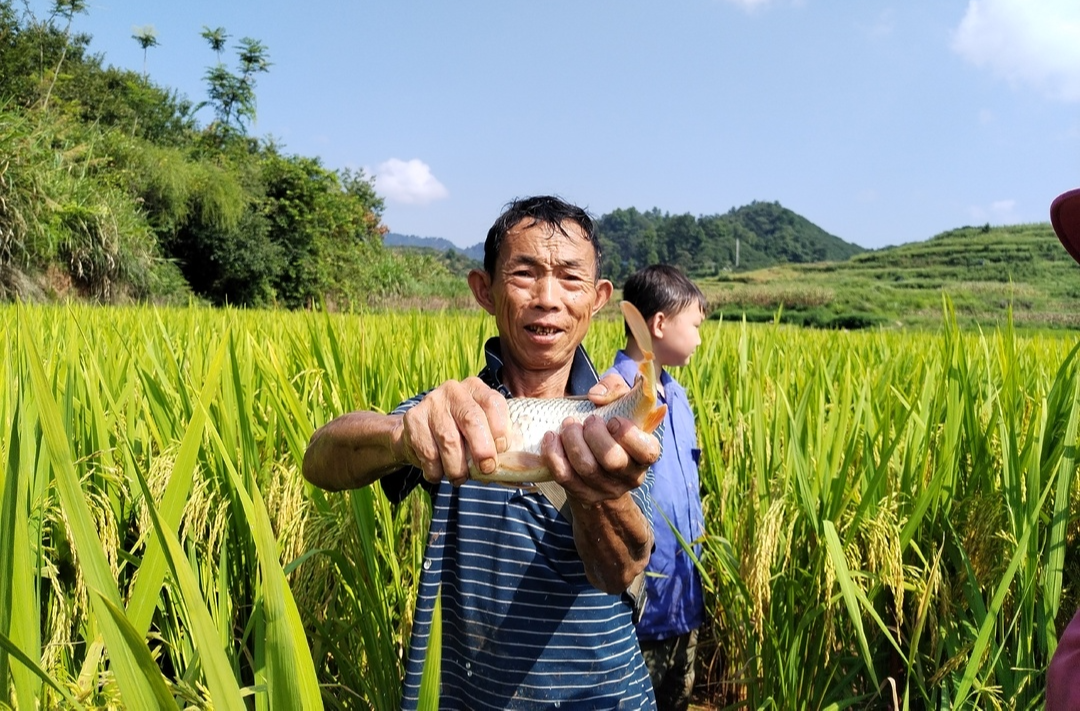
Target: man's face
543, 294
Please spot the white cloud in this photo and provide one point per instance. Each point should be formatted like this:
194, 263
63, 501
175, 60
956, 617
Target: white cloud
408, 181
999, 212
749, 4
752, 5
1025, 42
883, 25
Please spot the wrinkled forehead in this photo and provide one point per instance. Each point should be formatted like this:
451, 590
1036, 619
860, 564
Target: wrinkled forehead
542, 243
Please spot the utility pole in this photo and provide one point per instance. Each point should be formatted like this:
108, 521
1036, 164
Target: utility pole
736, 252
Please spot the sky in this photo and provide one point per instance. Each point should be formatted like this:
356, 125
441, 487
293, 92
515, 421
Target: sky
881, 122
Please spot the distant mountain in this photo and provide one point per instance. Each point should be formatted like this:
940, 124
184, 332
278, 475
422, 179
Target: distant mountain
475, 252
758, 235
754, 236
786, 236
393, 239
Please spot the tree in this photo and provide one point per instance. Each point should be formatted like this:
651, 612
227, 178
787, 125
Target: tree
217, 38
681, 239
146, 36
621, 232
232, 95
317, 219
66, 9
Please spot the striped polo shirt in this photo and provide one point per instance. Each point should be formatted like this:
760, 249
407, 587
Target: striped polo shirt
523, 628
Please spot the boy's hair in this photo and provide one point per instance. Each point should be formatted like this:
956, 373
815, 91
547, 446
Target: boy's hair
541, 209
661, 287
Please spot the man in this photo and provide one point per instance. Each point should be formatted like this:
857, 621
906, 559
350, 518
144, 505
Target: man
533, 610
1063, 675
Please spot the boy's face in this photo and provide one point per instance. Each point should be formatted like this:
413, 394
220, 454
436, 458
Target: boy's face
676, 337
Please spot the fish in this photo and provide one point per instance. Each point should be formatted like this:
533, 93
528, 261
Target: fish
531, 418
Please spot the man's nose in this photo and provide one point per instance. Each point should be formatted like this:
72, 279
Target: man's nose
547, 292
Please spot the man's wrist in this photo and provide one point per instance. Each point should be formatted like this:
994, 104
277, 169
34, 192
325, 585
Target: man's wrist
399, 448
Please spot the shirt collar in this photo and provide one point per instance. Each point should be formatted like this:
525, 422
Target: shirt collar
582, 373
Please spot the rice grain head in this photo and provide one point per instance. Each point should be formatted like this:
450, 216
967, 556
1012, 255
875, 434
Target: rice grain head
759, 568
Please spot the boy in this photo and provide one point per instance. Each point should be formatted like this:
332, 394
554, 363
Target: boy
673, 308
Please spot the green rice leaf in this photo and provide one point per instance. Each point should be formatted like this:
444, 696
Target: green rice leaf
291, 679
431, 676
11, 648
147, 589
224, 691
990, 622
847, 590
139, 654
139, 685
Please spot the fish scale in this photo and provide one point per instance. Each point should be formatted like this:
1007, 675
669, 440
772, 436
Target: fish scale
531, 418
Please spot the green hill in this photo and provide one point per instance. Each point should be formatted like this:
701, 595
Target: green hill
757, 235
460, 260
982, 270
785, 236
394, 239
754, 236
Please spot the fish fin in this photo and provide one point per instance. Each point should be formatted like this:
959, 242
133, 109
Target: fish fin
576, 397
645, 371
520, 462
515, 468
653, 419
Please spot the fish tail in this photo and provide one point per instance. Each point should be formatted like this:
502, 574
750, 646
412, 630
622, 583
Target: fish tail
653, 419
646, 415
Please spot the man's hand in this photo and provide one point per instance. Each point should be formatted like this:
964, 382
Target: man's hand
454, 423
597, 461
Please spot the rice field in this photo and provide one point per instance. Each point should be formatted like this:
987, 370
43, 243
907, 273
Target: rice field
889, 514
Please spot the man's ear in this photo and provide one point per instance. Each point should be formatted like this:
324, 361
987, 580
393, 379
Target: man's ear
480, 283
604, 289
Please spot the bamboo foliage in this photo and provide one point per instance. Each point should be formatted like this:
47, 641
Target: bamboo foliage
888, 515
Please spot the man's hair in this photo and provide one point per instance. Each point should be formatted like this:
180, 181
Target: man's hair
661, 287
544, 210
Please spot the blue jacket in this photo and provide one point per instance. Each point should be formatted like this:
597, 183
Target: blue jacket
675, 603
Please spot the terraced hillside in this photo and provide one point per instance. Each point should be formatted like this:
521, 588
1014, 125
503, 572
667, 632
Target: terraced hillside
982, 270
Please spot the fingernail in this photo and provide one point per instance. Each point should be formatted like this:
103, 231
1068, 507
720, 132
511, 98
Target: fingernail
500, 444
487, 466
598, 389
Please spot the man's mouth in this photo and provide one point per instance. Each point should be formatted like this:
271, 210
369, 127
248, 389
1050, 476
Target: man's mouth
542, 330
